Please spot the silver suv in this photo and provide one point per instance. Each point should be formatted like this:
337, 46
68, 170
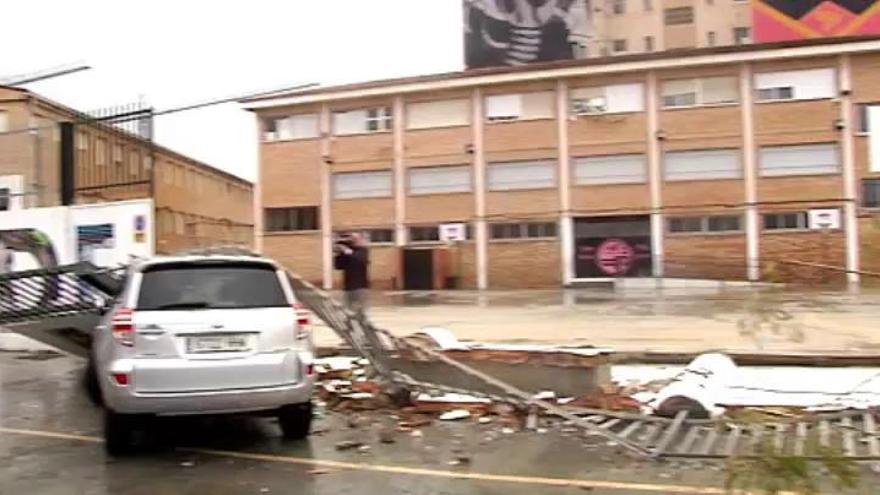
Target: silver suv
203, 335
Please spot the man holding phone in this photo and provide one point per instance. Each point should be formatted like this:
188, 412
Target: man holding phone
352, 257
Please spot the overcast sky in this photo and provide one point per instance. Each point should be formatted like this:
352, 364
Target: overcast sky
177, 52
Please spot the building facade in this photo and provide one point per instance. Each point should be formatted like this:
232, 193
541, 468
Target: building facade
52, 155
640, 26
757, 162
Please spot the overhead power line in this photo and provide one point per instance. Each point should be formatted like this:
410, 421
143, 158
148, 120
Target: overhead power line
139, 115
18, 80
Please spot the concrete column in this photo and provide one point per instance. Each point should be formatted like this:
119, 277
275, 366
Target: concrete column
399, 174
259, 218
847, 148
655, 173
750, 173
481, 237
566, 234
326, 220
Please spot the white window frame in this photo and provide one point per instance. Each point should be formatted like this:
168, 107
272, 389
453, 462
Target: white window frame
704, 222
809, 148
587, 162
704, 174
511, 107
614, 99
444, 188
463, 121
286, 127
699, 84
522, 231
501, 168
803, 221
383, 176
803, 85
382, 115
15, 185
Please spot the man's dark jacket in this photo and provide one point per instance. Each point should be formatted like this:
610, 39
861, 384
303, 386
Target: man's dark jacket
354, 267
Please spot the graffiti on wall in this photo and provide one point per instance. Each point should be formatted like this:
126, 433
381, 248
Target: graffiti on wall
517, 32
783, 20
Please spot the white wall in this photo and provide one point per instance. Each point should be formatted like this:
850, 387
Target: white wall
122, 216
59, 224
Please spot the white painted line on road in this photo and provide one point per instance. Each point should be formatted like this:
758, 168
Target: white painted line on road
377, 468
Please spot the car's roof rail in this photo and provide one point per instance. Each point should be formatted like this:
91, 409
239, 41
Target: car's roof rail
218, 251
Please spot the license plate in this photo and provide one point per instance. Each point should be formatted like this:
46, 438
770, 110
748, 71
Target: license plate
217, 343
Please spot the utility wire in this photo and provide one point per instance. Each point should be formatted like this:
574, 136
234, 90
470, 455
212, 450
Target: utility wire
139, 115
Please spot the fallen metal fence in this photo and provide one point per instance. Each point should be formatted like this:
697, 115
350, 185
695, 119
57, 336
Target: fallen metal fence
853, 433
48, 293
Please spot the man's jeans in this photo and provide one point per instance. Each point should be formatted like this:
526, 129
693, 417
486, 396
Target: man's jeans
356, 301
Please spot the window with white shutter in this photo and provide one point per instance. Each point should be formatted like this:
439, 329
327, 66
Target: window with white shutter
507, 176
702, 164
348, 185
362, 121
615, 98
519, 106
612, 169
443, 113
438, 180
807, 84
806, 159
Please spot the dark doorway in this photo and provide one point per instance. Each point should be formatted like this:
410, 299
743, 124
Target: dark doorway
418, 269
613, 247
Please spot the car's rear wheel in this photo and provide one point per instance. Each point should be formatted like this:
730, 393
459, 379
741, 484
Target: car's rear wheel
90, 382
295, 420
119, 433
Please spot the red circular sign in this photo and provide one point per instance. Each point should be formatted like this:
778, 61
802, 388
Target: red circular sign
615, 257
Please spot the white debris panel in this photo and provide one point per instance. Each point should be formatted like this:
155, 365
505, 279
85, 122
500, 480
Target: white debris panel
756, 386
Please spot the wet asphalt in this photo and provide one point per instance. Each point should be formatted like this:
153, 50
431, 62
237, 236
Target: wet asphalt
40, 394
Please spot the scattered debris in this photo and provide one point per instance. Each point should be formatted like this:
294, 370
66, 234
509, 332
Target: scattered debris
317, 471
455, 415
508, 431
187, 464
387, 435
364, 449
348, 445
484, 420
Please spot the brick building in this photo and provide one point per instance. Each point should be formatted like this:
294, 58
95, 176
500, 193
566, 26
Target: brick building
641, 26
53, 155
730, 163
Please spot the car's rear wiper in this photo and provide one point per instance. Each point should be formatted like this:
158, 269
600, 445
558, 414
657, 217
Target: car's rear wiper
185, 305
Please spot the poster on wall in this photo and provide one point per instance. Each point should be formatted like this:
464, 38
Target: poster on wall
517, 32
783, 20
90, 238
613, 257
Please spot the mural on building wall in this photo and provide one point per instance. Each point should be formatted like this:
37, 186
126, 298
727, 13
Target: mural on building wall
517, 32
782, 20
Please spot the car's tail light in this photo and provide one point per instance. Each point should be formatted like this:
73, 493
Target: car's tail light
123, 326
303, 321
310, 369
120, 379
303, 317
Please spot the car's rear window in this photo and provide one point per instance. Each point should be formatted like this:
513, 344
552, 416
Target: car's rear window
210, 285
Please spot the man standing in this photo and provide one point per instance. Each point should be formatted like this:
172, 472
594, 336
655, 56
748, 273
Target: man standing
352, 257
